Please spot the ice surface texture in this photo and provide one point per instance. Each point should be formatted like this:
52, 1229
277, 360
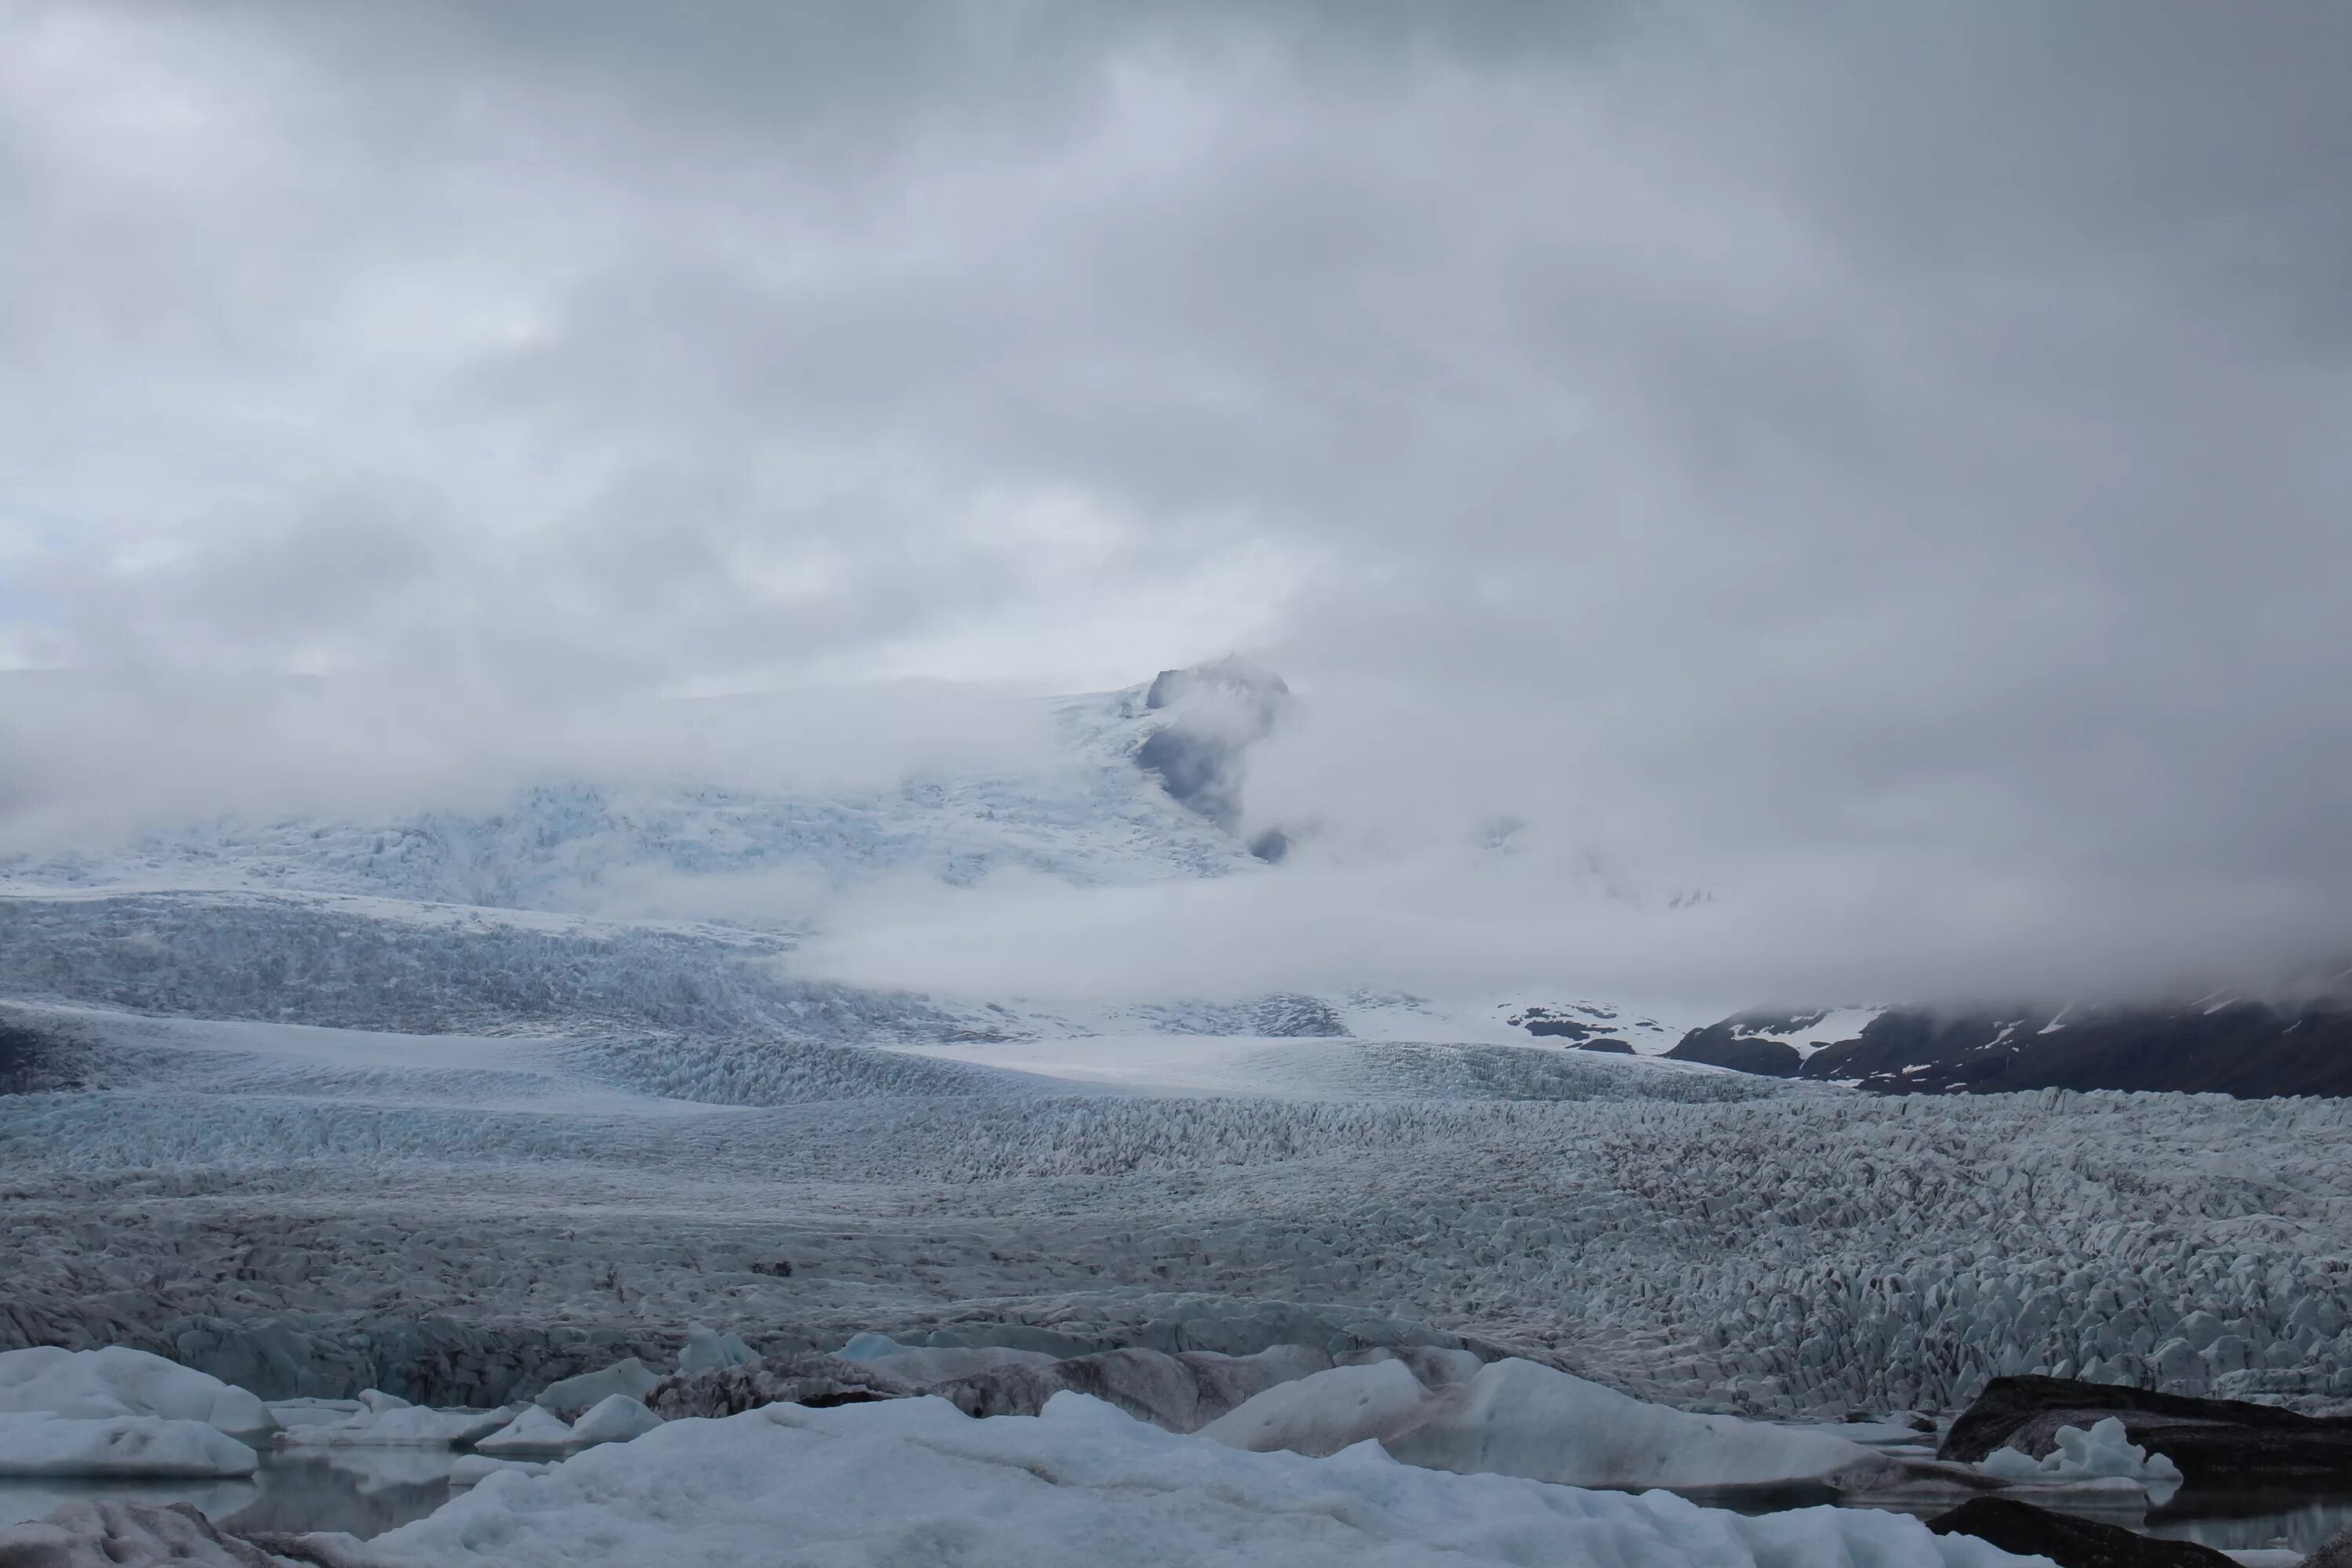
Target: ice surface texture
915, 1480
1786, 1255
39, 1444
119, 1381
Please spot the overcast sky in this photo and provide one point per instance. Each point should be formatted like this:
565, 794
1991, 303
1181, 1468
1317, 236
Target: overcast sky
1888, 463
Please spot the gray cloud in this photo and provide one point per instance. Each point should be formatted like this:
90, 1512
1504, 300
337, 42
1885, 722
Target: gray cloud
1883, 461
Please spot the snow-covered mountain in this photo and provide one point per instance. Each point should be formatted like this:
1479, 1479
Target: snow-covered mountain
1089, 814
676, 907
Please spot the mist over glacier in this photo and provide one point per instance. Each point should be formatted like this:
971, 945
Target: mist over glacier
984, 842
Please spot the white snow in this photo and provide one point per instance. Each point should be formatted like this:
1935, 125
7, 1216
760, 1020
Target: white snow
914, 1480
35, 1443
2105, 1452
119, 1381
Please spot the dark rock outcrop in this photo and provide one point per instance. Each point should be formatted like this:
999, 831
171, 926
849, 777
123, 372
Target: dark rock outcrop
1733, 1044
2219, 1443
1215, 713
2247, 1049
2069, 1542
2336, 1552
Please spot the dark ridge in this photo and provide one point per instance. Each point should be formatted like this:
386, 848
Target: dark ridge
2251, 1050
2247, 1049
1724, 1046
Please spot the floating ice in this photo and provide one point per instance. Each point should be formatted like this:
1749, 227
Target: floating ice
709, 1351
533, 1431
617, 1419
400, 1426
120, 1381
870, 1347
914, 1480
37, 1444
2105, 1452
632, 1377
1518, 1418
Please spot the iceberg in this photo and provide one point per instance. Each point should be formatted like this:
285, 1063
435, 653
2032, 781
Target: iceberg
1516, 1417
533, 1431
401, 1426
37, 1444
2105, 1452
632, 1377
119, 1381
916, 1480
617, 1419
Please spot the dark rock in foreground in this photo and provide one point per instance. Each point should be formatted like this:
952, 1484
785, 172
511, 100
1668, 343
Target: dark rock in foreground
2336, 1552
102, 1532
2068, 1541
2219, 1443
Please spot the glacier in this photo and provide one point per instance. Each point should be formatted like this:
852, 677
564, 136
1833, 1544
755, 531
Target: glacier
479, 1109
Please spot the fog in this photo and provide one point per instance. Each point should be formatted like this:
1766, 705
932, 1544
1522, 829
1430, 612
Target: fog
1822, 504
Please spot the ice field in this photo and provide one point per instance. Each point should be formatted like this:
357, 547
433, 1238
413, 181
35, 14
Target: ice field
1715, 1241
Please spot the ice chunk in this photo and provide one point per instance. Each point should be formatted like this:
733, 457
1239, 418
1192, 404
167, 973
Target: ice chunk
1327, 1411
914, 1480
870, 1347
35, 1443
632, 1377
405, 1426
1515, 1417
2105, 1452
614, 1420
472, 1470
534, 1430
313, 1412
709, 1351
120, 1381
